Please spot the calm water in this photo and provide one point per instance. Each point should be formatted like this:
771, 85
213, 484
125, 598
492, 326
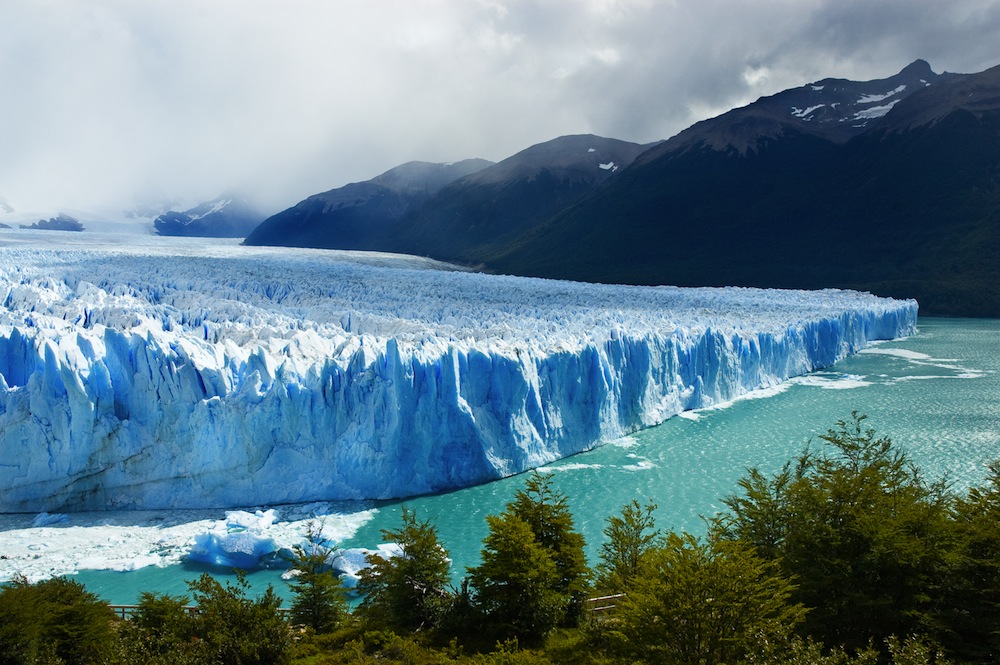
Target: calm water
936, 394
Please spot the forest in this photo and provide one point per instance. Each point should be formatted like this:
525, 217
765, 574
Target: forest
847, 555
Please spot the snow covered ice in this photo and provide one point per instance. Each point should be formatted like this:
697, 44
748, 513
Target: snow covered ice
130, 540
151, 373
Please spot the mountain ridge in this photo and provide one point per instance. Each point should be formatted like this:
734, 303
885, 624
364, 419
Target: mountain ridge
355, 216
901, 209
890, 185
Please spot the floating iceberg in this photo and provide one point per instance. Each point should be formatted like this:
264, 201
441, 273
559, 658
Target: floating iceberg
348, 563
242, 540
164, 373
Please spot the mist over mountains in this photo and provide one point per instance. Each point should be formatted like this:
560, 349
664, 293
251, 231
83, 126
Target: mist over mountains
890, 186
227, 216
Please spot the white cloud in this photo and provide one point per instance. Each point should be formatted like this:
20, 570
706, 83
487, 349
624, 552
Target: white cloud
107, 100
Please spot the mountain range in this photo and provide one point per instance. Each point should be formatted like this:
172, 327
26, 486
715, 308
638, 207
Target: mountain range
890, 186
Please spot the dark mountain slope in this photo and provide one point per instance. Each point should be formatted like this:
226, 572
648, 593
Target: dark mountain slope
908, 207
832, 109
358, 215
476, 215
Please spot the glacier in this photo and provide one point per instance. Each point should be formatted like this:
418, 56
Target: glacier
167, 373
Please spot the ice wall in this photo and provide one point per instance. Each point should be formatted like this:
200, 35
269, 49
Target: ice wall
177, 375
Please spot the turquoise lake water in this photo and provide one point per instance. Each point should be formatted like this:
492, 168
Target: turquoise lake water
937, 395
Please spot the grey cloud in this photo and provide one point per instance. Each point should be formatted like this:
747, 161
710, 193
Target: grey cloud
108, 101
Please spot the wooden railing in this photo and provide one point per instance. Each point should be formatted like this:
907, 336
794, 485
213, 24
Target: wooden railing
603, 604
127, 611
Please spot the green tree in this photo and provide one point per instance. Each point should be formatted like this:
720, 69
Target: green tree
629, 536
55, 620
547, 514
857, 527
517, 585
408, 591
534, 574
236, 629
160, 632
703, 602
969, 616
320, 600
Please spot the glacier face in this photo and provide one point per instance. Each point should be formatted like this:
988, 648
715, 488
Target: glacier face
175, 373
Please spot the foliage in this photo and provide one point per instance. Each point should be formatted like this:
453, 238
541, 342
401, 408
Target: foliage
547, 514
161, 632
970, 611
910, 651
517, 584
407, 592
858, 529
534, 573
359, 647
628, 537
53, 621
320, 600
236, 629
696, 602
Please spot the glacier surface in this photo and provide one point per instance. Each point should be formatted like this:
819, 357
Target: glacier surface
147, 373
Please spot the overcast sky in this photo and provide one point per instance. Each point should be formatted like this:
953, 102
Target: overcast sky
105, 104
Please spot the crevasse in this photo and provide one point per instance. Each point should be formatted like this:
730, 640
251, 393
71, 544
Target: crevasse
179, 376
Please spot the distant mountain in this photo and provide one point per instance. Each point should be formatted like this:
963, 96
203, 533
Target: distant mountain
898, 194
475, 215
467, 217
227, 216
890, 186
835, 110
61, 222
358, 215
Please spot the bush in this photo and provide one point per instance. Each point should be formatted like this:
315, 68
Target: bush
235, 629
858, 528
54, 621
407, 592
320, 600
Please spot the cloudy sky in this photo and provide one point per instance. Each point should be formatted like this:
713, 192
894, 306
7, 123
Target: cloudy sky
106, 104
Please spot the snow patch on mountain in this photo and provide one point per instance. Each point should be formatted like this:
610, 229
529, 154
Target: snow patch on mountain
872, 99
875, 111
805, 113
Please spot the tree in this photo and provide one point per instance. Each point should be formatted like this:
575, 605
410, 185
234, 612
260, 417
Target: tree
700, 603
236, 629
865, 538
407, 591
629, 536
534, 574
320, 601
160, 632
517, 585
55, 620
547, 514
969, 616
